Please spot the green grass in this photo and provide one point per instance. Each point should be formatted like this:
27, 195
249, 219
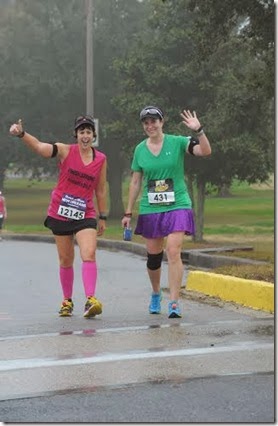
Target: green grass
247, 211
26, 204
245, 218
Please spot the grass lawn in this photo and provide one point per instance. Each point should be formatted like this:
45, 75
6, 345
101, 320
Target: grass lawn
245, 218
249, 211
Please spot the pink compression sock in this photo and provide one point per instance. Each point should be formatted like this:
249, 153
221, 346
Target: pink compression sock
89, 276
66, 279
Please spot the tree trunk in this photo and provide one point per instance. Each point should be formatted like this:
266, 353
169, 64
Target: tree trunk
190, 187
115, 173
2, 178
224, 190
199, 211
116, 209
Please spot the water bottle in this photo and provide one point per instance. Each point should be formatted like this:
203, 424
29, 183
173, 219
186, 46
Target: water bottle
127, 234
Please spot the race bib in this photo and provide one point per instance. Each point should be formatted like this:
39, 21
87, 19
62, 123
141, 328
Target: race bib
161, 192
72, 207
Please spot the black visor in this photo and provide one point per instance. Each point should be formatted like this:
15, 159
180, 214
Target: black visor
152, 112
84, 119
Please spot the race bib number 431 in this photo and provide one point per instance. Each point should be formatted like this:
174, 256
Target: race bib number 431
72, 207
161, 191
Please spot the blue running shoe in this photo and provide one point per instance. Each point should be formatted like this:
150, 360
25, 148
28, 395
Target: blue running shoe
154, 306
174, 310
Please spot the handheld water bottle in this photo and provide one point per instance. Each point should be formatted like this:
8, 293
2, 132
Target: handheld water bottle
127, 234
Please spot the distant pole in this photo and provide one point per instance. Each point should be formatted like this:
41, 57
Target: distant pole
89, 58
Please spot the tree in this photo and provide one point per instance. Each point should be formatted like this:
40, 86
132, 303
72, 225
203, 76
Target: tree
176, 59
40, 81
252, 20
43, 76
117, 25
224, 88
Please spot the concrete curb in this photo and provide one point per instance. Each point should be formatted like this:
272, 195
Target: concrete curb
250, 293
254, 294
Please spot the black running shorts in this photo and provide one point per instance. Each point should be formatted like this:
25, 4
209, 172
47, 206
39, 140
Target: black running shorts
62, 227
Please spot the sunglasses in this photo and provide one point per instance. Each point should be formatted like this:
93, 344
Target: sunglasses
150, 111
85, 118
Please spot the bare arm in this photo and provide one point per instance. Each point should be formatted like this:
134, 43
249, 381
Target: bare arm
101, 197
134, 190
192, 122
43, 149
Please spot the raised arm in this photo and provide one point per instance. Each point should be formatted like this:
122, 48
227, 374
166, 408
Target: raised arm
43, 149
191, 121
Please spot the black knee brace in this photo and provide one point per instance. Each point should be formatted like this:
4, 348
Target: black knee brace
154, 261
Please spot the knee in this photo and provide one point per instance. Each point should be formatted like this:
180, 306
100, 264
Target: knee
88, 255
66, 258
173, 254
66, 261
154, 261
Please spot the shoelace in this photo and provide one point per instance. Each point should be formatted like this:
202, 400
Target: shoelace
90, 302
66, 305
155, 302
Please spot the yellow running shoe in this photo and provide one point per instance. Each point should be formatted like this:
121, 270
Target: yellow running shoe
92, 308
66, 308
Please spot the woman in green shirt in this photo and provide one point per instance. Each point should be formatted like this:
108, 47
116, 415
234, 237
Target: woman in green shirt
165, 209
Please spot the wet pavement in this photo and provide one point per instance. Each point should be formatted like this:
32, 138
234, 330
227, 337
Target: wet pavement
215, 364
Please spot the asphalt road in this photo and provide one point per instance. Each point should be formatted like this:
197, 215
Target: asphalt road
214, 365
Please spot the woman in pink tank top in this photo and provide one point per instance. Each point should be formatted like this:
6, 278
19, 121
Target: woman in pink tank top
3, 212
71, 212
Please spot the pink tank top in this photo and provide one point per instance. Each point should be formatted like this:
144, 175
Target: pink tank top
1, 206
72, 197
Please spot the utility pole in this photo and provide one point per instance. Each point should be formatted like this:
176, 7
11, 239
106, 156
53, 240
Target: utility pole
90, 65
89, 58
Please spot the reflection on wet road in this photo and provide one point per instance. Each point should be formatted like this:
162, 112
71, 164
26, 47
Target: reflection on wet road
125, 350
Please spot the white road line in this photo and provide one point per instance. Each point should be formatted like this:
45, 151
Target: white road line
92, 332
17, 364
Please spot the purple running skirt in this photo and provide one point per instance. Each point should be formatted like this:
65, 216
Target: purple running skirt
158, 225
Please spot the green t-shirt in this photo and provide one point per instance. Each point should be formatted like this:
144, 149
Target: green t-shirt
164, 188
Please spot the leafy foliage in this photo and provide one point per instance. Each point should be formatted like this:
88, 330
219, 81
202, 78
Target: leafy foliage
182, 62
214, 56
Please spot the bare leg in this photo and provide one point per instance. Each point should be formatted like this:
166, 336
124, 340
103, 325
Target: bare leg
1, 225
87, 242
65, 247
175, 266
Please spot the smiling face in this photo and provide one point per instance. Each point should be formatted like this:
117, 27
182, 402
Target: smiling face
85, 136
152, 127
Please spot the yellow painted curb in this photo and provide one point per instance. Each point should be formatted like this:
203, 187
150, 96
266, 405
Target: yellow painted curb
251, 293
